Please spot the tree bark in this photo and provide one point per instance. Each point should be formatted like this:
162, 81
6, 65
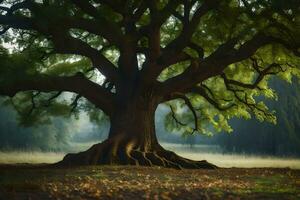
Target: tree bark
135, 123
132, 141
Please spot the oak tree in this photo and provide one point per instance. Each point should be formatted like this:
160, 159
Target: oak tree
208, 60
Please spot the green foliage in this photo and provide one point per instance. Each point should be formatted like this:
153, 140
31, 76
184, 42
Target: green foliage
281, 139
174, 70
67, 66
37, 108
34, 54
18, 64
217, 27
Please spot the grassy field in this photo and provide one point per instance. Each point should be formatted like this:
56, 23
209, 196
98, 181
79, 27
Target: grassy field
221, 160
124, 182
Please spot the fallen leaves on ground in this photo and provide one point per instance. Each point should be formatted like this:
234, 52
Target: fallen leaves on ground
128, 182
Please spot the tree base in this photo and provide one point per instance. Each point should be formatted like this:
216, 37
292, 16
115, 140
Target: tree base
111, 152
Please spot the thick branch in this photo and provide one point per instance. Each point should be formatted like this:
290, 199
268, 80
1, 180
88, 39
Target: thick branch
159, 17
77, 84
175, 48
99, 26
68, 45
16, 22
214, 65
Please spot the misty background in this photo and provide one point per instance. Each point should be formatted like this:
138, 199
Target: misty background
249, 137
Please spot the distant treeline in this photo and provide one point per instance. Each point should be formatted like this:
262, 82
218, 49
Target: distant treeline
59, 134
49, 137
263, 138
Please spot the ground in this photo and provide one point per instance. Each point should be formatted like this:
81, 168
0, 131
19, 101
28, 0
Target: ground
127, 182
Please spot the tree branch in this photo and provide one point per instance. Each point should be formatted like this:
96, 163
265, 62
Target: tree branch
74, 104
190, 106
49, 101
17, 22
175, 118
108, 30
33, 104
68, 45
269, 70
117, 7
201, 91
189, 28
77, 84
174, 48
214, 64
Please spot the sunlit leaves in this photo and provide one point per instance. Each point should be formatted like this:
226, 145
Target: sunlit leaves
235, 19
170, 30
173, 70
247, 102
69, 66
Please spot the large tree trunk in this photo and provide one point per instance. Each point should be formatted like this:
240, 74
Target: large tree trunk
134, 122
132, 141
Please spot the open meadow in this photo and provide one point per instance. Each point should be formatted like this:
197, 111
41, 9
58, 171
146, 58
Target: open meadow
240, 177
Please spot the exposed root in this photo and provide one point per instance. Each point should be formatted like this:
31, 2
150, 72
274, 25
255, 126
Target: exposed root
120, 152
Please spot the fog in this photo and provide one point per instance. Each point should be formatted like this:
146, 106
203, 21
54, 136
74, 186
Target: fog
197, 152
59, 135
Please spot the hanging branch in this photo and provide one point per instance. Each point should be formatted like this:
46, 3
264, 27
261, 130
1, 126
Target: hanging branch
33, 104
175, 118
74, 104
191, 107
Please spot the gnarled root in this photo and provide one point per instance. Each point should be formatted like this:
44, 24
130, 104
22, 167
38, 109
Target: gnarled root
120, 152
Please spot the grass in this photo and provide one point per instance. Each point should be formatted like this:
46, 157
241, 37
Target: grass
127, 182
33, 157
222, 160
